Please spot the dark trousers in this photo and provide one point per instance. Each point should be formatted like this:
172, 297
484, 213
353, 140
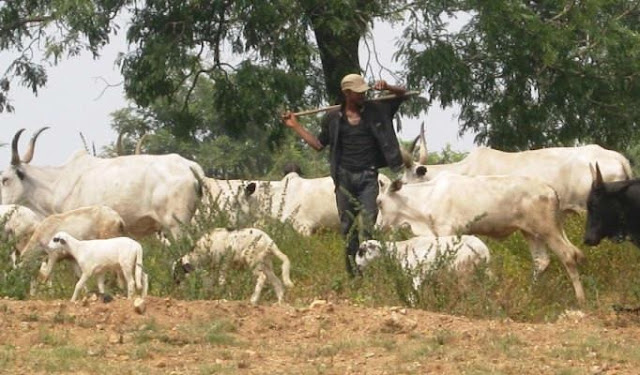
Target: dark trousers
356, 194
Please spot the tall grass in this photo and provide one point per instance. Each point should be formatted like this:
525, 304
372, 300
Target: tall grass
610, 275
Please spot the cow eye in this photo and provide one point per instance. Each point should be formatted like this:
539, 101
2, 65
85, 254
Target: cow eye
5, 181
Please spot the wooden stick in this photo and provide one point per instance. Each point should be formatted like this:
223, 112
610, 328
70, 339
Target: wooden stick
383, 97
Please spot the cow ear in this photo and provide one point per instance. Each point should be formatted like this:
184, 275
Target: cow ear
250, 189
395, 186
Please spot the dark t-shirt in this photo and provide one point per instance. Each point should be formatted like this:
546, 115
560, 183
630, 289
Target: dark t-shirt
359, 147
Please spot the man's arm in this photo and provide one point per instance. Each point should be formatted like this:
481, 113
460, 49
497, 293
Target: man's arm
291, 121
391, 105
396, 90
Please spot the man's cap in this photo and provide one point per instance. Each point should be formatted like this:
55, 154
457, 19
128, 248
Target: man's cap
354, 82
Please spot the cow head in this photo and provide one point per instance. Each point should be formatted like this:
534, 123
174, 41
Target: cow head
389, 206
604, 211
14, 189
399, 208
416, 171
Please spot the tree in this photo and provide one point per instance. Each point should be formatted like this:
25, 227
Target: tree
55, 28
530, 74
526, 73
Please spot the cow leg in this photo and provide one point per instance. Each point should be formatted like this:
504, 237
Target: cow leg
569, 256
539, 255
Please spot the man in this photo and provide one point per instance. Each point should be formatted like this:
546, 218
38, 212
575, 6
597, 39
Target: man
361, 139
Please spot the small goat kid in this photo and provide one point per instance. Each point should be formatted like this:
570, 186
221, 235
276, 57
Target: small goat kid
417, 254
250, 246
95, 257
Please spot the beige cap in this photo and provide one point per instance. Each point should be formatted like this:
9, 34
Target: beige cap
354, 82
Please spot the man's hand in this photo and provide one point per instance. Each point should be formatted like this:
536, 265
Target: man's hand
289, 119
380, 85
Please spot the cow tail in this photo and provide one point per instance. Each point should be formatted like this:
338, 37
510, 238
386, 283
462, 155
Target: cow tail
286, 264
199, 185
121, 227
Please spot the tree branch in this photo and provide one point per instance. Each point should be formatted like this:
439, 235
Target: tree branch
24, 22
107, 86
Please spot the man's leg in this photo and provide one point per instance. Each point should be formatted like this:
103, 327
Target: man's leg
347, 210
367, 198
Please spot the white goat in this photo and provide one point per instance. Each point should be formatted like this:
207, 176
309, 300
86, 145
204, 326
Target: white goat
249, 246
95, 257
418, 253
85, 223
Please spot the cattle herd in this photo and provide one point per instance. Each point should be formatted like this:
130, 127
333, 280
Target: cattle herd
90, 210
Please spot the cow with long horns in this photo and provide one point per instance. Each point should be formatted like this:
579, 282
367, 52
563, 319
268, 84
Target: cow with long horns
150, 192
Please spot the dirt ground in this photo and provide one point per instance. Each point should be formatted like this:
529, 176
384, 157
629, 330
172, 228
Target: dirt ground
324, 337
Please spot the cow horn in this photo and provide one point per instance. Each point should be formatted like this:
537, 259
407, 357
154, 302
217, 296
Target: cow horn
598, 175
422, 158
119, 149
28, 155
407, 160
15, 158
140, 142
413, 145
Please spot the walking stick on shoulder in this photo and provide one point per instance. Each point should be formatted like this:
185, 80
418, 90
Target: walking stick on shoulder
323, 109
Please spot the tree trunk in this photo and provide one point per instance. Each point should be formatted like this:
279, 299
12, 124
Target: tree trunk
338, 48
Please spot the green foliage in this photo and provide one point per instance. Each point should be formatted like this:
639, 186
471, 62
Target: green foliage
532, 74
14, 282
526, 74
60, 28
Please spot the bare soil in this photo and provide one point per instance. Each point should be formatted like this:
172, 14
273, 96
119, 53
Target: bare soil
324, 337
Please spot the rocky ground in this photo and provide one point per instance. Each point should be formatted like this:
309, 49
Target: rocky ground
324, 337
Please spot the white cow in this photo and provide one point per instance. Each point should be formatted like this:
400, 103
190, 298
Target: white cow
566, 169
18, 223
249, 246
308, 203
150, 192
95, 257
229, 196
419, 253
495, 206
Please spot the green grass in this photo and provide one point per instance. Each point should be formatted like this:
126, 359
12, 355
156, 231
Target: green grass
504, 288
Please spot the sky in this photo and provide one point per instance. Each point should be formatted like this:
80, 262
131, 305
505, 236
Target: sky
76, 100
